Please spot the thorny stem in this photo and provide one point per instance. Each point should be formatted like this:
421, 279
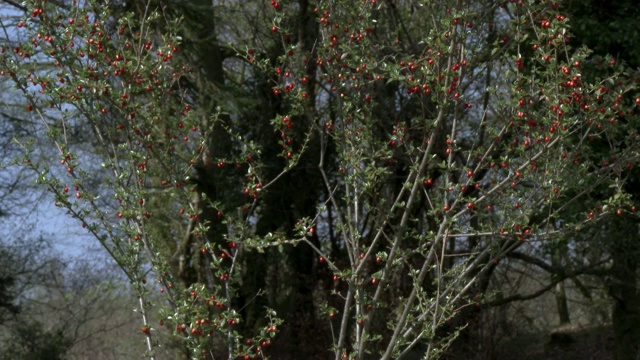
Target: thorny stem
400, 231
145, 321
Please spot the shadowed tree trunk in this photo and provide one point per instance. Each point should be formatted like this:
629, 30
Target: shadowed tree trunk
624, 290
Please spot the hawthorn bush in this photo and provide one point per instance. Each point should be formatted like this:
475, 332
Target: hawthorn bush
313, 176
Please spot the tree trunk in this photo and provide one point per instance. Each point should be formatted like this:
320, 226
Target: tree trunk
561, 296
623, 288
